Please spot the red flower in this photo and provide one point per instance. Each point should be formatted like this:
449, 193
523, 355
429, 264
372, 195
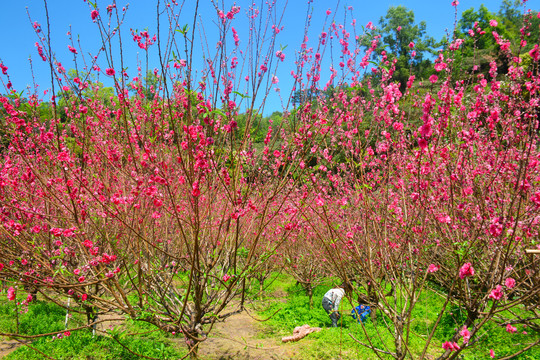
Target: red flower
94, 14
110, 72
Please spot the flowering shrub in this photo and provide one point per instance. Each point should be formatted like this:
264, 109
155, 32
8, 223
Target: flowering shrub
156, 203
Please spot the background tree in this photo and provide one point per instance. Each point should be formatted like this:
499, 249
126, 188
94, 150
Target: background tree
397, 31
485, 36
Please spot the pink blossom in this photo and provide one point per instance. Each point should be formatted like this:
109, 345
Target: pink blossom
452, 346
510, 283
72, 49
497, 293
195, 189
4, 68
81, 279
466, 271
466, 334
226, 277
94, 14
410, 81
535, 53
328, 12
493, 22
455, 3
440, 66
433, 78
411, 45
510, 329
84, 297
69, 232
492, 353
11, 294
110, 72
433, 268
57, 231
444, 218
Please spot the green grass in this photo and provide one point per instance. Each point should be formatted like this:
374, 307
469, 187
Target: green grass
45, 317
336, 342
283, 294
81, 345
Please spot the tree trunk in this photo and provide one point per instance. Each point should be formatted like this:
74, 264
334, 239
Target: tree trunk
398, 338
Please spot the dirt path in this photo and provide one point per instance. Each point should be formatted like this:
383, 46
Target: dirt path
239, 338
7, 346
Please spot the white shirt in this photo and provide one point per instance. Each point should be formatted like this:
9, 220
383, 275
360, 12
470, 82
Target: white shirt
335, 295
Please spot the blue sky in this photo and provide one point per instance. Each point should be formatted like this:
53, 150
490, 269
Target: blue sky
19, 37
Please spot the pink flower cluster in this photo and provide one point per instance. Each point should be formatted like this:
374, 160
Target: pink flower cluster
452, 346
466, 270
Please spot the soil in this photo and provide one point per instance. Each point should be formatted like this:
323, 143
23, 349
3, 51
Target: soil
239, 337
7, 346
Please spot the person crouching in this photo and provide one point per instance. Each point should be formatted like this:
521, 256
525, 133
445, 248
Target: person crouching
331, 301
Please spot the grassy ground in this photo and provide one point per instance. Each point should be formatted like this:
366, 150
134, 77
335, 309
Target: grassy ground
45, 317
337, 342
288, 304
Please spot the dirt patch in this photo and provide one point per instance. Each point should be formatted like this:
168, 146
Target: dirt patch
110, 321
238, 338
8, 346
